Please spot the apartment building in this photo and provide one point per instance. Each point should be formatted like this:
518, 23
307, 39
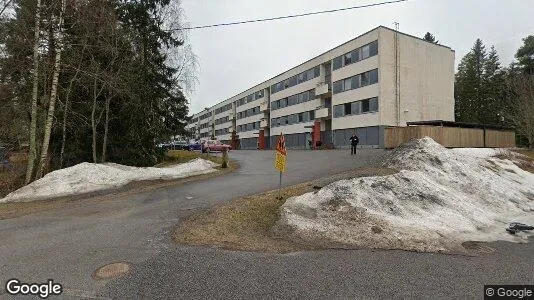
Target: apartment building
378, 79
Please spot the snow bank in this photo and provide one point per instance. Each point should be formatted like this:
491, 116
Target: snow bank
439, 199
90, 177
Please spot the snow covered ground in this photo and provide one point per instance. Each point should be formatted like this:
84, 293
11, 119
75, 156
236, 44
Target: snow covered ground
438, 199
89, 177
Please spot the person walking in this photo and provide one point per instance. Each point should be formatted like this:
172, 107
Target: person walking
354, 140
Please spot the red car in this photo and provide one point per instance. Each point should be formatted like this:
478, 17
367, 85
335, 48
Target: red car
214, 145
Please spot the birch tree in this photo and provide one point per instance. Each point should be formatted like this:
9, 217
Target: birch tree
35, 89
53, 93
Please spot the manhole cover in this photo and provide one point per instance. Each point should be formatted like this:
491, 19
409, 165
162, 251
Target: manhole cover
112, 270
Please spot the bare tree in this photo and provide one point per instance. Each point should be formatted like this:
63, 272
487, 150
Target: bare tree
53, 93
33, 125
521, 103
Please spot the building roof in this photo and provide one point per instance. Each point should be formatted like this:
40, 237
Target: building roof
340, 45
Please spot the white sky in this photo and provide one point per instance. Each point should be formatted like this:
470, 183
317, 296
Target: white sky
233, 59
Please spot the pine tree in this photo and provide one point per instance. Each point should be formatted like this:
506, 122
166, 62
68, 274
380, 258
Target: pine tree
469, 87
429, 37
525, 55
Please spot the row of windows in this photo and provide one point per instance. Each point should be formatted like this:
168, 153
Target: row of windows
204, 116
205, 135
306, 116
356, 107
252, 97
249, 112
294, 99
248, 127
297, 79
222, 131
222, 120
194, 120
355, 55
355, 82
223, 108
204, 125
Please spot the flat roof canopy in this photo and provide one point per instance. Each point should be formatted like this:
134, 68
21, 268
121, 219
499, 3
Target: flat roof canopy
457, 124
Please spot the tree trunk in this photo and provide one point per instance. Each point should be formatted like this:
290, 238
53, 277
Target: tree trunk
93, 123
65, 114
106, 125
53, 94
33, 126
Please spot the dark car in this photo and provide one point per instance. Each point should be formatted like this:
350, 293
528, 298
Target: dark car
195, 146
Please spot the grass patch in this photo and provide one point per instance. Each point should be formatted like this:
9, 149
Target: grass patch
173, 157
245, 223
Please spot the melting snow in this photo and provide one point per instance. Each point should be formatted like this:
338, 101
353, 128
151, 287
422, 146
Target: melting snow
89, 177
439, 199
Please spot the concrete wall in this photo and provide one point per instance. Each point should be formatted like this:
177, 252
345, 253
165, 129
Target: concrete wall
426, 80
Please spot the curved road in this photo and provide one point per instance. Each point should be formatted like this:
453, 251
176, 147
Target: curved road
68, 244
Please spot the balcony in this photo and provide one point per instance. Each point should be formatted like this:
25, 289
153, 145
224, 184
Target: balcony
264, 106
322, 112
264, 123
323, 90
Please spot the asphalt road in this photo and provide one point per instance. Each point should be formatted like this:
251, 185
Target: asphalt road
68, 244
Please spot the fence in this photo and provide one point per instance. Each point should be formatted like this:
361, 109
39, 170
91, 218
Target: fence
453, 137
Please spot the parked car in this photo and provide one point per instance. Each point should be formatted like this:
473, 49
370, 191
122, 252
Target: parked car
214, 145
195, 145
179, 145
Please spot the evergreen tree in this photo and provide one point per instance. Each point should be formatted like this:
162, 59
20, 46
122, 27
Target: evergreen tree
429, 37
525, 55
480, 88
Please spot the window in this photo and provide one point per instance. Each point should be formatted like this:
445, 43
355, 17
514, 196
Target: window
355, 55
338, 111
300, 78
347, 59
364, 79
316, 71
292, 100
347, 84
373, 104
301, 117
304, 97
373, 48
312, 115
293, 119
338, 87
274, 105
355, 108
337, 62
293, 81
348, 110
355, 81
365, 105
310, 74
365, 51
373, 76
311, 94
283, 102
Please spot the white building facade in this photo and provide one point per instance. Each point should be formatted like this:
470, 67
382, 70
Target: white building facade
378, 79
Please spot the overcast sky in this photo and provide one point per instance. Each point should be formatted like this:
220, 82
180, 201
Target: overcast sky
233, 59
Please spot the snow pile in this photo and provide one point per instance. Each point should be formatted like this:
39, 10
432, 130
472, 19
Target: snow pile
439, 199
90, 177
